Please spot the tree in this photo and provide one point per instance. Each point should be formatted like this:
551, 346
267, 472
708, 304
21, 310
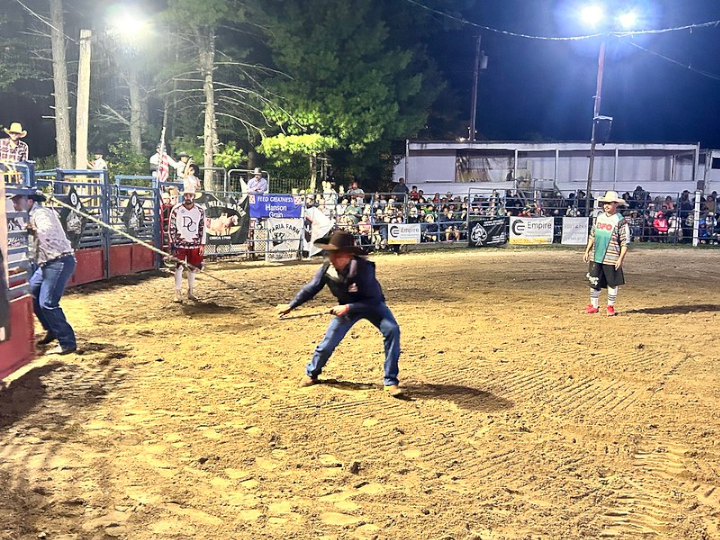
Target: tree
60, 83
343, 79
285, 147
229, 90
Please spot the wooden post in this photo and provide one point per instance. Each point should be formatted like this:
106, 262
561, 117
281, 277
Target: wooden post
83, 101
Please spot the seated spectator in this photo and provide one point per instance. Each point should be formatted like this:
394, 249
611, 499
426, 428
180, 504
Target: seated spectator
436, 198
430, 229
355, 190
675, 229
414, 193
668, 204
413, 216
661, 226
365, 230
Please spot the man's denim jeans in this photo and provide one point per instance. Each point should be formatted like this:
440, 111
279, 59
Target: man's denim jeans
47, 286
383, 319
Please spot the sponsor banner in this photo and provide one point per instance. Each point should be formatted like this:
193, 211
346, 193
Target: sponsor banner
484, 231
227, 223
575, 231
133, 216
316, 225
531, 230
284, 236
399, 233
4, 291
275, 206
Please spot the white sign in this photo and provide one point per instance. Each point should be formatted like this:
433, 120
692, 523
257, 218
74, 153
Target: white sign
283, 240
534, 231
399, 233
575, 231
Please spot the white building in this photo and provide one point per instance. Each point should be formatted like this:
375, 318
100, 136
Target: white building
442, 166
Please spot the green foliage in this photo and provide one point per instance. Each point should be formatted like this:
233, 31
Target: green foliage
190, 145
344, 79
230, 156
284, 147
123, 159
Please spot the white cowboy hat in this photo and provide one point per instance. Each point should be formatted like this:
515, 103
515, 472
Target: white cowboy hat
610, 197
15, 127
189, 190
257, 172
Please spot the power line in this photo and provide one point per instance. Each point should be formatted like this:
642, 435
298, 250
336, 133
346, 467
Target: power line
567, 38
676, 62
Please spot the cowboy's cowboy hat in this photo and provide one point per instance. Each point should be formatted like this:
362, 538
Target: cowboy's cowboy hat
611, 197
340, 242
257, 172
15, 127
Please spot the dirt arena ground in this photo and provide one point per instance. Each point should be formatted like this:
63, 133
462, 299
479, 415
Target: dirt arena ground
524, 417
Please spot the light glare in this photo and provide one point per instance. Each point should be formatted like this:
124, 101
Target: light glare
592, 15
628, 20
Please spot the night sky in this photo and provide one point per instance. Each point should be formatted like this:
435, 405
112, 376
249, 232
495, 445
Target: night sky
540, 90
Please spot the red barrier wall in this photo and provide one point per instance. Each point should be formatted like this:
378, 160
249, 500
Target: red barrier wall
20, 349
90, 266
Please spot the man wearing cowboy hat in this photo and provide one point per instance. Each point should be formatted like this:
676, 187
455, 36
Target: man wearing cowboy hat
258, 183
187, 241
609, 237
12, 148
351, 279
54, 263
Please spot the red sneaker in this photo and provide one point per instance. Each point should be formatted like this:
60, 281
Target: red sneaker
611, 311
591, 309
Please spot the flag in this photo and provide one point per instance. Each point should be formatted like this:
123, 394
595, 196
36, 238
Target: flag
163, 173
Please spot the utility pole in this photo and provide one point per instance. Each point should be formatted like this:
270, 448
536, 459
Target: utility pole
476, 76
596, 114
83, 101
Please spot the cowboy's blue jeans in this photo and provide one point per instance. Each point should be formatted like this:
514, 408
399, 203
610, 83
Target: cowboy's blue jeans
47, 286
382, 318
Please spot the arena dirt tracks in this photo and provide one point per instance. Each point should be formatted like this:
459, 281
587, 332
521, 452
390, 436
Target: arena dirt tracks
524, 418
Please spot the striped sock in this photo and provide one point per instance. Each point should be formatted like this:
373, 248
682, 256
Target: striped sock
612, 295
595, 297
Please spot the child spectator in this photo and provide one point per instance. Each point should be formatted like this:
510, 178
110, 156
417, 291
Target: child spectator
661, 226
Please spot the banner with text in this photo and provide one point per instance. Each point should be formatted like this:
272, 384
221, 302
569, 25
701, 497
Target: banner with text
226, 223
534, 231
575, 231
275, 206
487, 231
404, 234
284, 236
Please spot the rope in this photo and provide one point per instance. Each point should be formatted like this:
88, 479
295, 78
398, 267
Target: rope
166, 256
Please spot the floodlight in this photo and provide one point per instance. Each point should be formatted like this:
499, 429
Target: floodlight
592, 14
628, 20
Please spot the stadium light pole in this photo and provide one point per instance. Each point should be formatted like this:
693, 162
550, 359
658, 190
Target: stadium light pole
594, 16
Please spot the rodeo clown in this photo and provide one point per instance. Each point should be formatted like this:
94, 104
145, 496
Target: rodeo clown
187, 241
352, 280
609, 237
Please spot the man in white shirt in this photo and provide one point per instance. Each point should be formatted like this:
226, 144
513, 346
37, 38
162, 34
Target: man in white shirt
187, 242
155, 161
258, 183
98, 164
